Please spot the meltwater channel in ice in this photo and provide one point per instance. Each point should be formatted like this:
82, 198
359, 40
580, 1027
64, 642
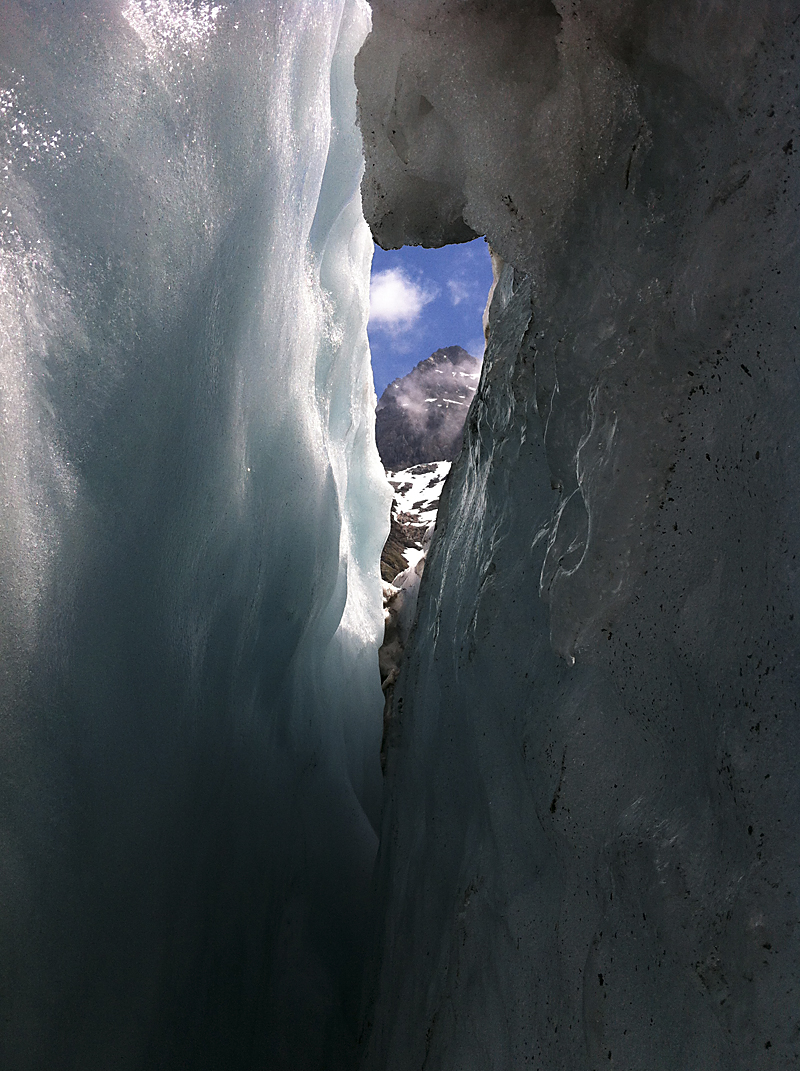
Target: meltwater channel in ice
191, 528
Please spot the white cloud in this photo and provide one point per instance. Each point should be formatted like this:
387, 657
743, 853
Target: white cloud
459, 291
396, 301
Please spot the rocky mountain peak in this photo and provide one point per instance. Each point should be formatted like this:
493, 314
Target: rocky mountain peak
420, 417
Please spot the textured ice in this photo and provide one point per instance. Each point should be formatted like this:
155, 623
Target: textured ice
589, 854
192, 516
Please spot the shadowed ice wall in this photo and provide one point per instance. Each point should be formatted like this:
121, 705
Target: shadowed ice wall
192, 516
590, 851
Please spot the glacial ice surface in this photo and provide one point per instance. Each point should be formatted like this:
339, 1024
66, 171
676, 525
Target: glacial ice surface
590, 844
192, 516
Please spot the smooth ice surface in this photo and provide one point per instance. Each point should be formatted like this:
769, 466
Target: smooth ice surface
192, 516
589, 854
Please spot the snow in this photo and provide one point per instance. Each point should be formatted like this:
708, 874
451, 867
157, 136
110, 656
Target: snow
414, 555
416, 498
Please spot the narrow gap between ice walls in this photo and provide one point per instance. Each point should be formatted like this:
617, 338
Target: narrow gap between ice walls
428, 310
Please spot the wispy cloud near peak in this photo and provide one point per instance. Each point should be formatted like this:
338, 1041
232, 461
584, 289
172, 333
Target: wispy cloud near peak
459, 291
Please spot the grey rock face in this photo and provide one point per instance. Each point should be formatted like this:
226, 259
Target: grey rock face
590, 844
420, 417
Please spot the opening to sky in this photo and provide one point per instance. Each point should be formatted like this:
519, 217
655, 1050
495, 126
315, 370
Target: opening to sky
424, 299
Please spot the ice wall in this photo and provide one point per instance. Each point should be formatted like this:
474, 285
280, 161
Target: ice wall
192, 516
590, 847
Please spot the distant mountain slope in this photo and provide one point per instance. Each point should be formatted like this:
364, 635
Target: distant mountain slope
420, 418
416, 501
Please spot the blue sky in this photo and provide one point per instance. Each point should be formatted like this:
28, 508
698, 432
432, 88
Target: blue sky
423, 299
